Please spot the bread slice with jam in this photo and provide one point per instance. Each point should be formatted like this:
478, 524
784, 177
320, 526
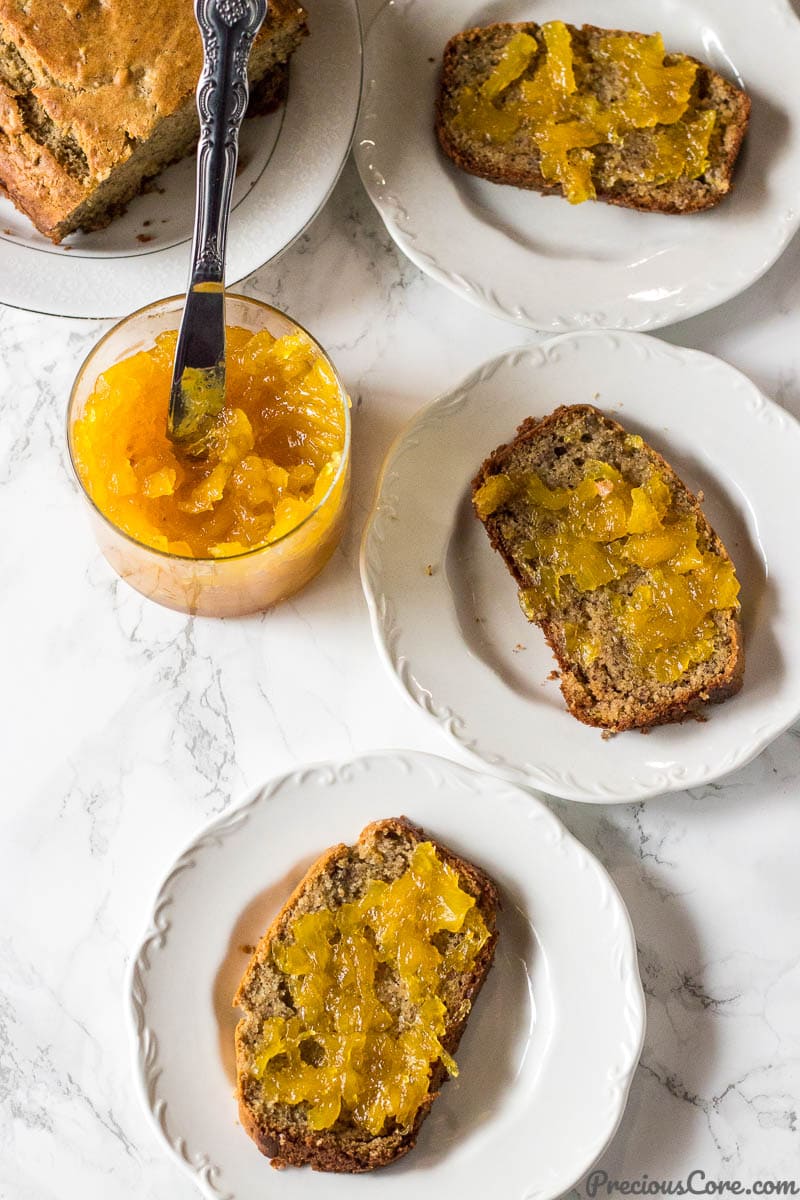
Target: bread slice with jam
590, 113
356, 998
617, 564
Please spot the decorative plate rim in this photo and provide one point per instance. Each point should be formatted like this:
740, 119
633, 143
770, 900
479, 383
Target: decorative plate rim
145, 1050
387, 634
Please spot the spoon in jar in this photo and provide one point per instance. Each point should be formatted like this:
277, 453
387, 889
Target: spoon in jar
227, 28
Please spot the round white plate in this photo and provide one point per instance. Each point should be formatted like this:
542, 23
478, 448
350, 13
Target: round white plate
444, 609
289, 161
537, 260
546, 1060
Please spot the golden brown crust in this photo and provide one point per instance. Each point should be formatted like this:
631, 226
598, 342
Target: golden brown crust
325, 1150
84, 86
685, 699
516, 171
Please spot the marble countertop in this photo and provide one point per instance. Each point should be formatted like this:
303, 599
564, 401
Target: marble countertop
126, 726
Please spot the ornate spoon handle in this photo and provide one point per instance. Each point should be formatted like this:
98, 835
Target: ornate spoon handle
227, 28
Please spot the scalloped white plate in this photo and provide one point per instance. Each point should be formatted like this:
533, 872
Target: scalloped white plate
289, 162
545, 1063
536, 260
455, 638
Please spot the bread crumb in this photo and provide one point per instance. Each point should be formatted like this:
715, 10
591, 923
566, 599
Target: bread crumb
519, 646
554, 674
246, 948
144, 237
429, 569
701, 496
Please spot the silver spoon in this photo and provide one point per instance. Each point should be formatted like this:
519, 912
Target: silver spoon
227, 28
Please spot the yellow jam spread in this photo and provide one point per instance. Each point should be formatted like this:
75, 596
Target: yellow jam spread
273, 451
345, 1052
604, 530
567, 123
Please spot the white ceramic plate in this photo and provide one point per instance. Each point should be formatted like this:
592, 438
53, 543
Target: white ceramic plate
538, 261
288, 163
454, 639
550, 1049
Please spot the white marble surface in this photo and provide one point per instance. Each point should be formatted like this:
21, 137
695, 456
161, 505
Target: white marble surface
125, 726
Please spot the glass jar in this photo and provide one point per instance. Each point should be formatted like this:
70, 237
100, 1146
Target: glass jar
215, 587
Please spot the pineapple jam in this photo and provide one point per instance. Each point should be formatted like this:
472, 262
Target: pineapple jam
568, 124
272, 454
344, 1052
601, 531
255, 518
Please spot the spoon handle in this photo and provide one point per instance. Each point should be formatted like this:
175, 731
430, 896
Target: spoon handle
227, 29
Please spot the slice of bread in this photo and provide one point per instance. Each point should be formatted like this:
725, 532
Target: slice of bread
469, 59
611, 690
342, 875
92, 108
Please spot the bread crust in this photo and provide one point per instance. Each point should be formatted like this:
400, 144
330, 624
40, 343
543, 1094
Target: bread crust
685, 700
671, 198
324, 1150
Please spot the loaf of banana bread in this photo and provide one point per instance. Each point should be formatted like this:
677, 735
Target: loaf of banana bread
97, 98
